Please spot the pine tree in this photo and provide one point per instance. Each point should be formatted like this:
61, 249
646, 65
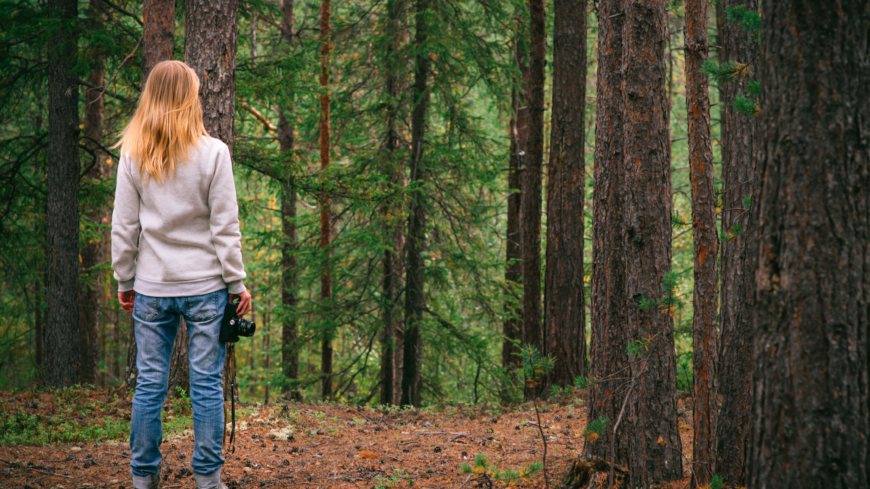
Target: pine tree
415, 299
809, 423
565, 303
609, 338
655, 448
738, 53
705, 247
531, 168
62, 344
325, 214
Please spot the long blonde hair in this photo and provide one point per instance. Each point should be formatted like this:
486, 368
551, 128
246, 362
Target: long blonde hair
168, 121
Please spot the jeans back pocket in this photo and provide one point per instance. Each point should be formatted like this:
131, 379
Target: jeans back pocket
203, 308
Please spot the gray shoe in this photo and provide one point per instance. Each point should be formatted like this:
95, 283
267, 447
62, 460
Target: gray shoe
209, 481
146, 482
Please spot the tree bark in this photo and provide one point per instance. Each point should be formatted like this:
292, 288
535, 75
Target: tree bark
289, 261
92, 253
739, 135
812, 282
158, 34
565, 303
415, 301
62, 344
609, 338
655, 449
392, 253
158, 38
210, 44
706, 241
519, 124
325, 218
531, 166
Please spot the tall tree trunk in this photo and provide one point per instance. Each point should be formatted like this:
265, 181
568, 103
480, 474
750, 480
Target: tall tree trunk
325, 217
62, 345
531, 166
565, 303
158, 34
415, 301
92, 253
812, 282
655, 449
706, 298
289, 262
392, 253
739, 135
210, 44
519, 124
158, 39
609, 338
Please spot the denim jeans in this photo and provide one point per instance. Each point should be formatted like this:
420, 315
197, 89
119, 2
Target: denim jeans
156, 321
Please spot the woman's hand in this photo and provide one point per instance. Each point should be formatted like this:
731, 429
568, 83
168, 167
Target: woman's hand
127, 299
244, 302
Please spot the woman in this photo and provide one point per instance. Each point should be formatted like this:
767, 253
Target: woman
176, 252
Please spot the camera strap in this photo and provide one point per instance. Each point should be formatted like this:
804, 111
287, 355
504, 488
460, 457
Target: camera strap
232, 351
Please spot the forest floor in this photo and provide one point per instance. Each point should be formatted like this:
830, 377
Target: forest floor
77, 439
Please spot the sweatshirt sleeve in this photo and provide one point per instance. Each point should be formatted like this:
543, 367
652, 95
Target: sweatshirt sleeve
224, 222
125, 228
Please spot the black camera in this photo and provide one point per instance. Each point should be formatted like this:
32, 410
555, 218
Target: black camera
232, 326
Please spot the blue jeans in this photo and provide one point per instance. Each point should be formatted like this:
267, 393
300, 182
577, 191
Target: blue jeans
156, 321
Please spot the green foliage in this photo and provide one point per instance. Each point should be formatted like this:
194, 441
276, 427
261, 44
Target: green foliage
725, 72
747, 201
746, 18
685, 377
535, 365
399, 476
670, 301
746, 105
715, 483
486, 470
595, 429
638, 347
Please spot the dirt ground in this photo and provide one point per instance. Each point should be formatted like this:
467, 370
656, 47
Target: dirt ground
336, 446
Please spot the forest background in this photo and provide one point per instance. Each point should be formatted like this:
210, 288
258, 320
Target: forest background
468, 300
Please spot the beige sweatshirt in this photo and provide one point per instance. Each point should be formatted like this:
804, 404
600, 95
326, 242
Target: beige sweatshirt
180, 238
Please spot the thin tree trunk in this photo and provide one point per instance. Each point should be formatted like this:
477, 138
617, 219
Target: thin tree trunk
513, 325
289, 262
92, 252
565, 304
62, 345
812, 282
415, 301
210, 44
325, 218
158, 38
531, 166
706, 298
739, 226
392, 214
609, 338
655, 448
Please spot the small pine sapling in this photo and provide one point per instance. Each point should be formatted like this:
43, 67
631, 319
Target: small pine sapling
535, 367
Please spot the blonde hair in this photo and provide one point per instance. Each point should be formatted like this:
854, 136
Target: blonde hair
167, 122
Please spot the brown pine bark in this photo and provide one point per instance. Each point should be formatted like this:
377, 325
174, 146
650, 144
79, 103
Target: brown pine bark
519, 124
739, 140
325, 218
92, 253
415, 300
289, 261
158, 37
391, 214
655, 449
565, 303
706, 298
62, 345
158, 33
210, 44
812, 282
531, 168
609, 338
